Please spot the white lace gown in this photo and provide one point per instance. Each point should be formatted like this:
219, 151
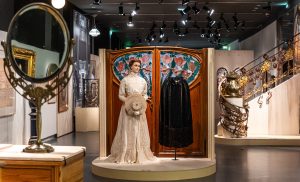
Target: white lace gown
132, 142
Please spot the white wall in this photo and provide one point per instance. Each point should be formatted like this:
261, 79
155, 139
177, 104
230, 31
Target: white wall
15, 129
262, 41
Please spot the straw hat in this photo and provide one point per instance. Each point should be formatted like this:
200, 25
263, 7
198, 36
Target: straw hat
135, 105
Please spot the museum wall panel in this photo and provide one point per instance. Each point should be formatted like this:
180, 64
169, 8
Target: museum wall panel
262, 41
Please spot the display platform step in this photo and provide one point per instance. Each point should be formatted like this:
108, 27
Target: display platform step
268, 140
164, 169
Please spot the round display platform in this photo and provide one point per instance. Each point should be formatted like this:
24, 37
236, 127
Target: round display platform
163, 169
270, 140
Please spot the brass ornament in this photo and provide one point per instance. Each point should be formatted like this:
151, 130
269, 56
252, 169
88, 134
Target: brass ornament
289, 54
243, 80
266, 66
37, 95
233, 118
231, 87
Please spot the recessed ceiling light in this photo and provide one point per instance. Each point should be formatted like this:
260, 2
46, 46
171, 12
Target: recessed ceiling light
254, 10
258, 5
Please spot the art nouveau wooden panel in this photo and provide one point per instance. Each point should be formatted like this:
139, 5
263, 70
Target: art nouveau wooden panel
159, 63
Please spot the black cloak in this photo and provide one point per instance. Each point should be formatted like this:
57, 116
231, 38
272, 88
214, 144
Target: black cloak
175, 124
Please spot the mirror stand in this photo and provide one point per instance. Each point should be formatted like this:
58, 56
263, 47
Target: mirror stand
38, 95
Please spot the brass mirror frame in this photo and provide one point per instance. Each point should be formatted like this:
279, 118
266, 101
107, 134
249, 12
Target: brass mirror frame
60, 20
34, 92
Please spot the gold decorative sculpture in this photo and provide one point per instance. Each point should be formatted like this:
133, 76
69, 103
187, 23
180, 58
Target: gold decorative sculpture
233, 117
231, 87
32, 82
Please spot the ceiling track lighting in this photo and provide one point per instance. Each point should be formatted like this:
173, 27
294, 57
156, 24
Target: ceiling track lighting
195, 9
130, 23
186, 10
135, 11
185, 2
208, 10
94, 32
97, 2
161, 34
163, 26
202, 33
121, 9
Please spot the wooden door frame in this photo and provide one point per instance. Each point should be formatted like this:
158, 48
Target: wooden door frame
112, 55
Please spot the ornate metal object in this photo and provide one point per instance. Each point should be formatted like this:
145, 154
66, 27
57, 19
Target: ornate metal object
37, 89
231, 87
233, 118
37, 95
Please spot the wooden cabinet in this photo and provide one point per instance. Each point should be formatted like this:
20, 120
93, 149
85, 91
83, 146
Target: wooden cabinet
159, 63
65, 164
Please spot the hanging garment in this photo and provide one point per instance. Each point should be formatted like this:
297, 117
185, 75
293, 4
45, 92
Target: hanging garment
175, 125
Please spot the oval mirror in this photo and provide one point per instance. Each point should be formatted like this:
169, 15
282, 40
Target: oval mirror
38, 40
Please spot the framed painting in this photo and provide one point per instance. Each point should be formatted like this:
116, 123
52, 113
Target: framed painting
7, 94
62, 99
25, 59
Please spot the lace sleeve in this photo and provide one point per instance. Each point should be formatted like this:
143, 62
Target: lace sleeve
122, 90
145, 91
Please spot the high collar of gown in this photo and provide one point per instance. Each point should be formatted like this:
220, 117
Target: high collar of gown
133, 74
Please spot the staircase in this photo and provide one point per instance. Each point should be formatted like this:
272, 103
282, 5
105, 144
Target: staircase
271, 69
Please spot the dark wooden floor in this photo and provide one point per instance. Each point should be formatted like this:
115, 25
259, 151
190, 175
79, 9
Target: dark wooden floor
234, 163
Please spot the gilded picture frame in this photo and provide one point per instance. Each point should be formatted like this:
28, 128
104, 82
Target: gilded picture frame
25, 59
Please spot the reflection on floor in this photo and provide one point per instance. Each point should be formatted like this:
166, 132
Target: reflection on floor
234, 163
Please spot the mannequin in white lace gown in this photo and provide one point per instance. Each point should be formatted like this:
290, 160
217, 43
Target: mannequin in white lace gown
132, 142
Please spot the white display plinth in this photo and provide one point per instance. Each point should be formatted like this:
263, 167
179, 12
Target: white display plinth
164, 169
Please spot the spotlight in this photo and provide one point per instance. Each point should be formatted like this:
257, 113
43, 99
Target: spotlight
58, 4
148, 39
97, 2
208, 10
186, 10
161, 34
163, 26
121, 10
185, 2
130, 23
195, 9
202, 33
135, 11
